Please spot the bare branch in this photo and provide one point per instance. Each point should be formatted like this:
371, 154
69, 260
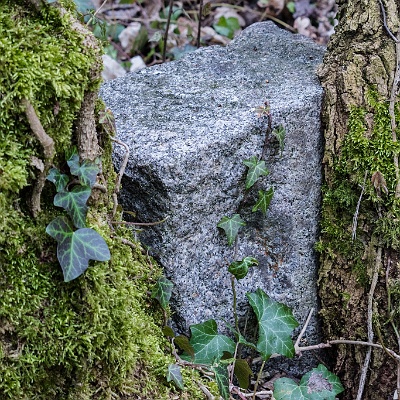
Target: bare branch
296, 345
364, 370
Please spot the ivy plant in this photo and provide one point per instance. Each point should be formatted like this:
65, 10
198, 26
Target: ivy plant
76, 244
217, 353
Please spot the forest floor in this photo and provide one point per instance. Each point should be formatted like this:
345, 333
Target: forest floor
134, 31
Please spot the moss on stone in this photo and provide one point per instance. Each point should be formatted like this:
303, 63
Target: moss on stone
96, 337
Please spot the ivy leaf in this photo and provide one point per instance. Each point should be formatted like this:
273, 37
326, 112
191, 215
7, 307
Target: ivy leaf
227, 26
162, 291
86, 172
318, 384
59, 179
276, 323
239, 269
174, 374
168, 331
243, 373
256, 169
231, 226
208, 345
264, 198
74, 202
280, 134
183, 343
76, 248
222, 379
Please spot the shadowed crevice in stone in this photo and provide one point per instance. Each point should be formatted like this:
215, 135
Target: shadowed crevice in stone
189, 125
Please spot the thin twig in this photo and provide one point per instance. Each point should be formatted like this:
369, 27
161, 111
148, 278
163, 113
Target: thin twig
355, 217
396, 331
199, 25
98, 10
385, 23
139, 223
258, 380
296, 345
204, 389
364, 370
343, 341
171, 3
262, 393
128, 242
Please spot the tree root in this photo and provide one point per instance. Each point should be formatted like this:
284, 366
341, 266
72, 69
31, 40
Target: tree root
48, 149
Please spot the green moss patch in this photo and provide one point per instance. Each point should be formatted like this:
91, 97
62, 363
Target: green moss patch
96, 337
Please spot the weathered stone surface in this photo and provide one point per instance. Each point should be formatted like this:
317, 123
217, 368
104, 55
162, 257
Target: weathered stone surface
189, 125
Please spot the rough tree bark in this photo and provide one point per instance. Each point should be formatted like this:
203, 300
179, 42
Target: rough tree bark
359, 239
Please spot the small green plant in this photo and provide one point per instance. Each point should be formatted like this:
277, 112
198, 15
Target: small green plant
227, 26
218, 354
75, 247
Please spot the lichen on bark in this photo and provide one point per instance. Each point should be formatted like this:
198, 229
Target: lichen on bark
357, 76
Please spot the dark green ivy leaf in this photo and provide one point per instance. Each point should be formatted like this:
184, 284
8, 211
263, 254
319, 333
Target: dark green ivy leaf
74, 202
76, 248
264, 198
276, 323
59, 179
231, 226
86, 172
239, 269
318, 384
168, 331
208, 345
174, 374
183, 343
162, 291
222, 379
243, 373
256, 169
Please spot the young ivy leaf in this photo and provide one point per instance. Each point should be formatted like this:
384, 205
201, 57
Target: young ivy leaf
174, 375
280, 134
208, 345
239, 269
276, 323
162, 291
183, 343
243, 373
231, 226
318, 384
59, 179
86, 172
76, 248
256, 169
222, 379
264, 198
74, 202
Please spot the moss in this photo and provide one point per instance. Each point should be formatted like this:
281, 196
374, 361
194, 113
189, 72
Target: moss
99, 336
367, 148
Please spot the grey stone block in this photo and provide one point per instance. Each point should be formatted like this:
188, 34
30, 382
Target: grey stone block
189, 125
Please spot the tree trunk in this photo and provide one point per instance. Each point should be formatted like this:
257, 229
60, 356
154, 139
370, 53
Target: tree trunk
360, 239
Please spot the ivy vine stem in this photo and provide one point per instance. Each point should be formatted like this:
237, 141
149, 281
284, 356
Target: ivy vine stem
258, 380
